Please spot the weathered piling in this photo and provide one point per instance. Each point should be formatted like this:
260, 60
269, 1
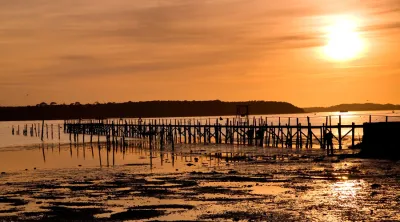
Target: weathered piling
42, 130
340, 132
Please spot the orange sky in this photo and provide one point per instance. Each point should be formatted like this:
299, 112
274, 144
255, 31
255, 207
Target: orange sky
135, 50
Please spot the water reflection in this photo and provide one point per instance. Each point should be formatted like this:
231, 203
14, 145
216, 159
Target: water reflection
138, 152
346, 191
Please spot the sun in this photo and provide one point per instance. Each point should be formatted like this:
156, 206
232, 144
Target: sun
344, 41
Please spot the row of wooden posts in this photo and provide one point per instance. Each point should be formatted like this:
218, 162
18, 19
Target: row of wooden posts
38, 130
258, 133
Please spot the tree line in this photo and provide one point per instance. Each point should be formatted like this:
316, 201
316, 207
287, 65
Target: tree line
145, 109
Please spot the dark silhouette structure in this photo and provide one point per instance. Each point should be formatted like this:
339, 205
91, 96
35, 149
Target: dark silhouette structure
381, 140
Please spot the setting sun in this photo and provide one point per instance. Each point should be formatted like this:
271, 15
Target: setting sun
344, 42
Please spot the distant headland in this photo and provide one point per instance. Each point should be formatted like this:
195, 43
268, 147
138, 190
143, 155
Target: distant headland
353, 107
146, 109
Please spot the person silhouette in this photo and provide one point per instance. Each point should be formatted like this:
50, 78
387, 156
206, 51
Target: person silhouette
328, 141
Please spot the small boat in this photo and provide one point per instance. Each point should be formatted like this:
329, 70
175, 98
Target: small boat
392, 111
343, 111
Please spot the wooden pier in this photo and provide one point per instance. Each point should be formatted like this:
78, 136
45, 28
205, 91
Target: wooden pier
166, 133
256, 132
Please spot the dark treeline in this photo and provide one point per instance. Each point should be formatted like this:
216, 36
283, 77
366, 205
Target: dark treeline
142, 109
354, 107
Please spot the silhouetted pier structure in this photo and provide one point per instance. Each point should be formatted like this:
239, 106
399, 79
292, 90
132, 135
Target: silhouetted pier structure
255, 132
162, 133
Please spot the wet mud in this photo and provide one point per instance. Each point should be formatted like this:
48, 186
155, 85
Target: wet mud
304, 187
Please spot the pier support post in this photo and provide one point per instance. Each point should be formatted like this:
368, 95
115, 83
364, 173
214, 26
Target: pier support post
352, 134
340, 132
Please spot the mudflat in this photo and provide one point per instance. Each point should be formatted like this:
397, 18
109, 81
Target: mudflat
204, 185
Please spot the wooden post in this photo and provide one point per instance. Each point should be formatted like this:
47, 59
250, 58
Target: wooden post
308, 142
352, 134
189, 131
172, 138
326, 122
269, 133
220, 133
42, 129
278, 135
237, 132
323, 136
205, 133
289, 134
216, 132
272, 135
243, 125
113, 132
301, 136
340, 132
226, 131
184, 130
194, 132
297, 133
199, 128
180, 131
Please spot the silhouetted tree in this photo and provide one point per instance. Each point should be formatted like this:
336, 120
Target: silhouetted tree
42, 104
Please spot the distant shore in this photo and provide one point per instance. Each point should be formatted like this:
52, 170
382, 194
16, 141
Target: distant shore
353, 107
162, 109
147, 109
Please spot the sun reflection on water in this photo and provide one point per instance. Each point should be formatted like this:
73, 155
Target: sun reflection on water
346, 190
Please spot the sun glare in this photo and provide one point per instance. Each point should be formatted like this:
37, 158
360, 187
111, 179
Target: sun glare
344, 42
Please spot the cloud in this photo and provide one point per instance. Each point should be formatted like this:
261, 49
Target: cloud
66, 42
82, 41
386, 11
386, 26
77, 57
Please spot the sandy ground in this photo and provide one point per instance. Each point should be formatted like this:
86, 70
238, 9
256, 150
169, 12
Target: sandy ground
288, 187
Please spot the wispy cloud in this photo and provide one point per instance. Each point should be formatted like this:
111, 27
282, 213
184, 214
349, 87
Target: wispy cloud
164, 41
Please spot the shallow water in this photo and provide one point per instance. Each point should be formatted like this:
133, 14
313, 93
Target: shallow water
138, 153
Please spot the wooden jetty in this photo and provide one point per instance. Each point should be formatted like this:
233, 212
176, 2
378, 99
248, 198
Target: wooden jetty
162, 133
255, 132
